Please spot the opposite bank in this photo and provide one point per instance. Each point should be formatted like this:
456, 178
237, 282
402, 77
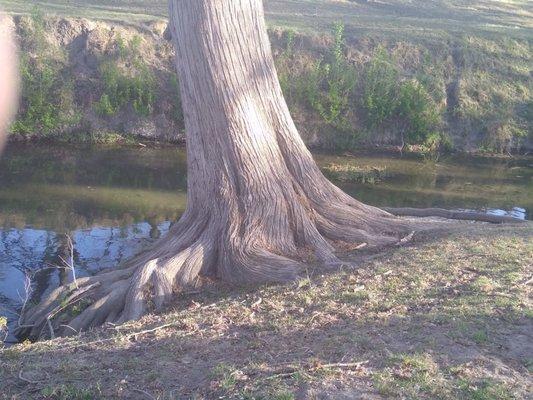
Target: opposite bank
99, 82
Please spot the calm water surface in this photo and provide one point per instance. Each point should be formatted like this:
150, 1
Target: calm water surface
114, 201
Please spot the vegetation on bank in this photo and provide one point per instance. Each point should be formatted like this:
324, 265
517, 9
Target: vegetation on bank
354, 173
56, 105
47, 101
461, 89
360, 102
446, 318
134, 86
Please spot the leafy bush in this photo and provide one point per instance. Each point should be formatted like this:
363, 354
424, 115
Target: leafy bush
503, 135
135, 85
417, 111
403, 105
329, 86
380, 89
47, 96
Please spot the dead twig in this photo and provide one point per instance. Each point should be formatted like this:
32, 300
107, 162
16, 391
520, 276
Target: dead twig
51, 328
22, 378
353, 365
70, 327
257, 303
144, 392
70, 264
152, 330
289, 370
406, 239
127, 337
530, 280
25, 299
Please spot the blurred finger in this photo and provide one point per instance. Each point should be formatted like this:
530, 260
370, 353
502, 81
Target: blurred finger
9, 78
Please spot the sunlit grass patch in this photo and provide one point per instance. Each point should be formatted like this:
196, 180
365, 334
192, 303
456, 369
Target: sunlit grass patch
416, 376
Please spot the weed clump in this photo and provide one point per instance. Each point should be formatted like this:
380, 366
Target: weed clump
47, 101
127, 80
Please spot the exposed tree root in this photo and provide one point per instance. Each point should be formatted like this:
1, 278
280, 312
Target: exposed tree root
197, 247
258, 207
448, 214
201, 247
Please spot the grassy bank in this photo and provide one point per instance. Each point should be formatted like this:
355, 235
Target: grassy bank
388, 18
431, 75
448, 317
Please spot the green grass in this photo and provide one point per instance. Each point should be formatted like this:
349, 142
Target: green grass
70, 392
390, 18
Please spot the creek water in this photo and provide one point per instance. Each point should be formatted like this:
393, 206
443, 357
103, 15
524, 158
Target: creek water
114, 201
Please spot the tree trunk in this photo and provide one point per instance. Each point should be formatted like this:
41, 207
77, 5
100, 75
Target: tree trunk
258, 206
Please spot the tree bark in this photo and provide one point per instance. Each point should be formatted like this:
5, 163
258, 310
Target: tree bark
258, 206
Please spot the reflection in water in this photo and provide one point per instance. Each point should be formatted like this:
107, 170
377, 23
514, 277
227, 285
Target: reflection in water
114, 201
29, 250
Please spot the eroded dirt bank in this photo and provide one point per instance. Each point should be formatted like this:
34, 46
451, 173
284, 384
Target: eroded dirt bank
99, 81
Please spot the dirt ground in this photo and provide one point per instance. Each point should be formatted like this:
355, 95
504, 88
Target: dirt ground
447, 317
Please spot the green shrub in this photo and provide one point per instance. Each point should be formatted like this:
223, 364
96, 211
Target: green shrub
329, 86
134, 85
47, 100
503, 135
380, 89
177, 106
404, 106
104, 106
418, 113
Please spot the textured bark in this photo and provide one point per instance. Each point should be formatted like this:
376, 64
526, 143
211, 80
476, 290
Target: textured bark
258, 205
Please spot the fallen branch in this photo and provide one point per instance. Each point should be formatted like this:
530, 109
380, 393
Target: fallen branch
289, 370
127, 337
145, 393
448, 214
22, 378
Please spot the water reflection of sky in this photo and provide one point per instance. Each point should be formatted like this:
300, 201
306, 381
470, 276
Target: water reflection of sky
515, 212
25, 251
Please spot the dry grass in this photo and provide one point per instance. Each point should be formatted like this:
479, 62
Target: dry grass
448, 318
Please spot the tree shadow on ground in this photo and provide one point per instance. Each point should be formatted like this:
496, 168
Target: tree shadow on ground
442, 334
